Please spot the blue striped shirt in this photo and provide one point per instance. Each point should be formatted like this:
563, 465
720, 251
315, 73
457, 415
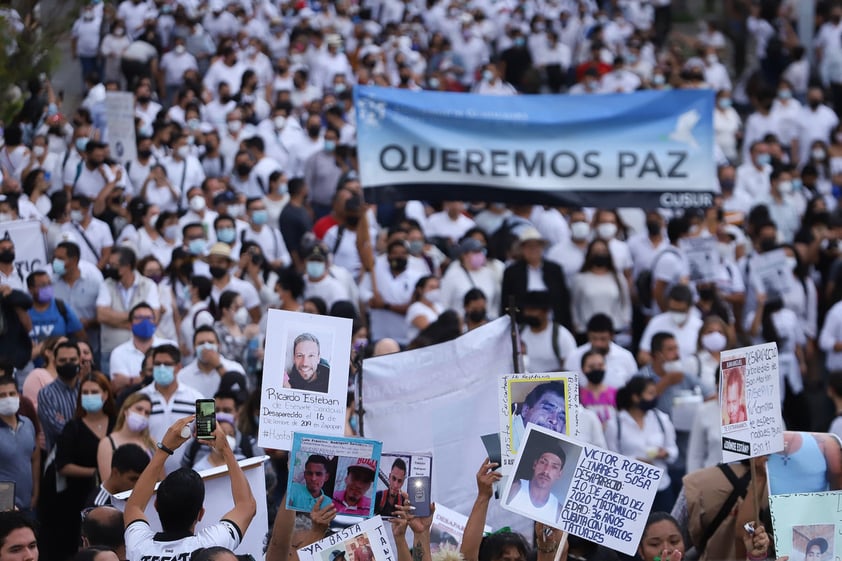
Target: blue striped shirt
56, 406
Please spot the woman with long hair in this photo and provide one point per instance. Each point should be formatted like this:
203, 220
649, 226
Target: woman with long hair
231, 326
600, 289
426, 305
131, 427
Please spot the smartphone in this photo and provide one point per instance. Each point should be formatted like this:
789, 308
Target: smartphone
7, 496
205, 419
419, 494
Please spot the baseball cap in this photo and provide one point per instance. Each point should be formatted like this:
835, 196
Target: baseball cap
364, 464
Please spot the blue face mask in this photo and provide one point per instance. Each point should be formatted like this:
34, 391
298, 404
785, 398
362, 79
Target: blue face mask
58, 267
259, 217
315, 269
196, 247
81, 144
330, 145
163, 375
226, 235
144, 329
763, 159
92, 402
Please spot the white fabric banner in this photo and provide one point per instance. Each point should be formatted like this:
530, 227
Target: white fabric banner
30, 250
119, 114
443, 398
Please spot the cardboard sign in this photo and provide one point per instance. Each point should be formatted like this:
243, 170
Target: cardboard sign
305, 377
369, 540
342, 470
448, 528
750, 397
592, 493
549, 400
769, 273
119, 114
703, 257
395, 469
30, 250
806, 525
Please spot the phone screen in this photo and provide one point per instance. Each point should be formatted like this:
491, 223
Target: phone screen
7, 496
205, 419
418, 488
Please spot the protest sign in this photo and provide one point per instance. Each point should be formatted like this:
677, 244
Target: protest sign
448, 528
395, 468
806, 525
703, 257
769, 273
368, 540
808, 463
120, 116
305, 377
589, 492
339, 469
218, 502
634, 149
30, 249
550, 400
750, 398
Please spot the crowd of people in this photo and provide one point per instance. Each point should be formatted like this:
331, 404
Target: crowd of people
242, 195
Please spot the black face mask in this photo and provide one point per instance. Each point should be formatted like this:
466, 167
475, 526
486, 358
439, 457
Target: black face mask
144, 153
476, 316
67, 371
143, 99
707, 293
218, 272
7, 256
243, 169
110, 273
767, 244
595, 376
95, 163
601, 261
314, 131
647, 404
653, 227
813, 103
398, 263
532, 321
352, 221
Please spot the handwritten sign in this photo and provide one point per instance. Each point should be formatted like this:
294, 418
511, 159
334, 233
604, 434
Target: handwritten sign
340, 469
702, 256
550, 400
750, 397
448, 528
30, 250
807, 525
369, 539
595, 494
769, 273
305, 377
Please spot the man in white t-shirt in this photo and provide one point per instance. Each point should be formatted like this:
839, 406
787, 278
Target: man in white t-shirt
450, 223
179, 503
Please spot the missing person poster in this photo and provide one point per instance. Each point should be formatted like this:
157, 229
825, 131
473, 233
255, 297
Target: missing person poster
549, 400
120, 117
369, 540
448, 528
589, 492
806, 525
821, 451
703, 257
340, 469
750, 400
770, 274
395, 469
305, 377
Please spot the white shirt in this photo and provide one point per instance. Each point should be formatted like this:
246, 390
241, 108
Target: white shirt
88, 182
244, 288
569, 257
174, 66
457, 281
815, 125
183, 175
752, 182
86, 33
686, 335
620, 365
329, 289
97, 233
417, 309
831, 333
705, 447
395, 290
440, 224
165, 413
271, 242
539, 348
643, 252
637, 442
207, 383
607, 294
127, 360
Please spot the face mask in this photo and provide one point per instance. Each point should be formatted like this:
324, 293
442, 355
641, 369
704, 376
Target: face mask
136, 422
329, 146
38, 151
784, 94
352, 221
416, 247
232, 442
260, 217
171, 231
144, 99
707, 293
767, 244
673, 366
532, 321
653, 227
144, 154
659, 80
606, 230
7, 256
196, 247
280, 121
433, 295
398, 263
714, 341
183, 151
119, 32
218, 272
197, 203
785, 187
226, 235
45, 294
144, 329
725, 103
163, 375
180, 49
110, 273
476, 316
314, 131
67, 371
77, 216
647, 404
92, 403
678, 317
205, 346
9, 405
243, 169
487, 75
241, 316
601, 261
814, 103
315, 269
595, 377
818, 154
235, 126
476, 260
579, 230
58, 267
763, 159
81, 144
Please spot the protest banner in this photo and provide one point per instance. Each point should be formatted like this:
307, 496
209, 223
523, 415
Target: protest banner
395, 469
443, 398
750, 398
120, 116
703, 257
592, 493
550, 400
634, 149
30, 248
448, 528
305, 377
806, 525
339, 469
368, 540
769, 273
808, 463
218, 502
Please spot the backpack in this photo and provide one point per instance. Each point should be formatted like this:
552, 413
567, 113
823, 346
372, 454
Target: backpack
645, 281
62, 309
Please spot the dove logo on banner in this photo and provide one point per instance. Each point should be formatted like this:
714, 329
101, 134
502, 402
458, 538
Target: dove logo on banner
652, 148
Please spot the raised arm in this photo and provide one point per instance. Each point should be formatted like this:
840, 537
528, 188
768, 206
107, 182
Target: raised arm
472, 536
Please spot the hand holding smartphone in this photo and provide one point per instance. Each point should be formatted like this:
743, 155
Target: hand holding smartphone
418, 488
205, 419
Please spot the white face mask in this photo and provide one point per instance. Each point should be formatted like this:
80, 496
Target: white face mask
183, 151
235, 126
673, 366
38, 151
580, 230
606, 230
678, 317
236, 210
785, 187
280, 121
433, 295
9, 405
714, 341
241, 316
197, 203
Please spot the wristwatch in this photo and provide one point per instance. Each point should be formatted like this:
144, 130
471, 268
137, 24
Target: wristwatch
163, 448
